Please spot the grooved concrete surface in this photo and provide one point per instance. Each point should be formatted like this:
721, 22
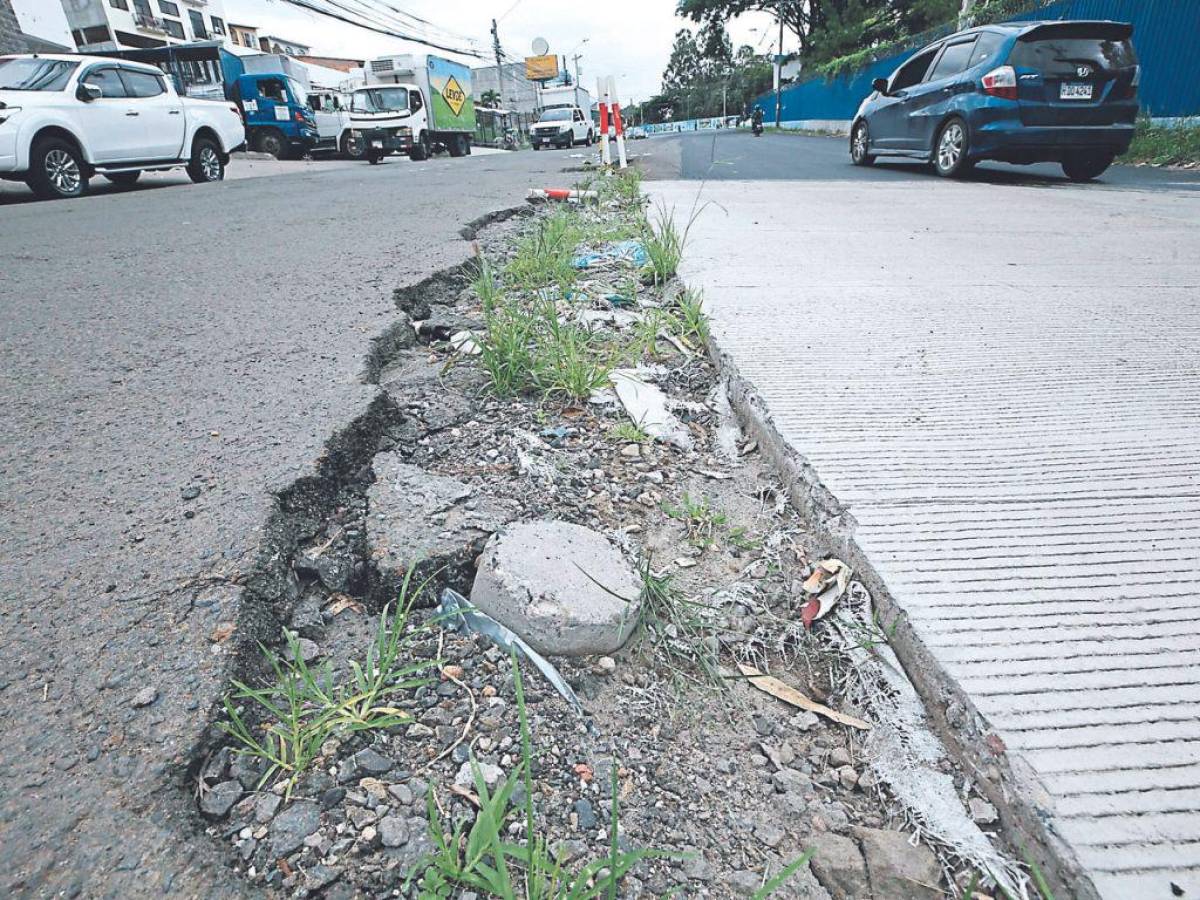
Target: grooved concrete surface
1003, 383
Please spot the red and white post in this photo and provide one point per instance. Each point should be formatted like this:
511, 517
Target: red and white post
618, 126
602, 99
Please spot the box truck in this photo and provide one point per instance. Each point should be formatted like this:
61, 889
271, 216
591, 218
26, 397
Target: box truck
415, 104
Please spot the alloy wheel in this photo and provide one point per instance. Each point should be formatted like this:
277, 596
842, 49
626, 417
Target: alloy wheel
63, 172
950, 147
210, 165
860, 143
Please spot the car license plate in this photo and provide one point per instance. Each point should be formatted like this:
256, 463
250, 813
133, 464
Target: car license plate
378, 144
1073, 90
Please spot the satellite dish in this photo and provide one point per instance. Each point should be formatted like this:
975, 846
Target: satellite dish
540, 47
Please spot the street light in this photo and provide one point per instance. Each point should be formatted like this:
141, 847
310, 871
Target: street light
578, 56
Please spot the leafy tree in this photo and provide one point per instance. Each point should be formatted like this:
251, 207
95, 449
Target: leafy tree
490, 99
684, 66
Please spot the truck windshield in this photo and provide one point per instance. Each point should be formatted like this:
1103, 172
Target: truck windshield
389, 99
24, 74
556, 115
299, 94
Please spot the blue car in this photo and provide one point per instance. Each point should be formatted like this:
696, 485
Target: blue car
1019, 92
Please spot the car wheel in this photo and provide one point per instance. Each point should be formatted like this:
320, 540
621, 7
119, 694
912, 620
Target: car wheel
206, 164
1086, 166
537, 146
125, 179
56, 170
950, 150
859, 143
591, 139
272, 143
420, 150
458, 145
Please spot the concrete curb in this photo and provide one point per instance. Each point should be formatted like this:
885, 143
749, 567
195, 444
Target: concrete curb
1009, 783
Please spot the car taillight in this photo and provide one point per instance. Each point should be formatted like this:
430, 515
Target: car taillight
1132, 88
298, 115
1001, 82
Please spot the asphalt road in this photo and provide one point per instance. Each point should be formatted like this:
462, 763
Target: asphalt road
154, 343
738, 155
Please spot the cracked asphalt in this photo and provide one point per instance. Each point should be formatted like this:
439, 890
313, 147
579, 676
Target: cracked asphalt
171, 355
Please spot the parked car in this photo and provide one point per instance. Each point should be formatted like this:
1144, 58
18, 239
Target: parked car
65, 118
563, 126
1020, 92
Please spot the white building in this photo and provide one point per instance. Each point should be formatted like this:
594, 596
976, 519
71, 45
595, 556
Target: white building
271, 43
101, 25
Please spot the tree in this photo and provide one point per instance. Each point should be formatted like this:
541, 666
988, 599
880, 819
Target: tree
797, 15
490, 99
684, 65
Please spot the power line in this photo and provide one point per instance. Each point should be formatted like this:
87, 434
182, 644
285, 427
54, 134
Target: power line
360, 22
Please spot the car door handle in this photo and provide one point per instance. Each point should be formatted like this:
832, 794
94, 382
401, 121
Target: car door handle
173, 112
133, 113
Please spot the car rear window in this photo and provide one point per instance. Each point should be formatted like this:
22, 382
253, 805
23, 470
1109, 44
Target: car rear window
1058, 53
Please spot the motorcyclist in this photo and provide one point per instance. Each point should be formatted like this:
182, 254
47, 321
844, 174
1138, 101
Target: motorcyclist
756, 120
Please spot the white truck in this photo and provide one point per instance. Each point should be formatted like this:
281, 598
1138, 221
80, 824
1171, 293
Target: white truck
563, 126
65, 118
414, 104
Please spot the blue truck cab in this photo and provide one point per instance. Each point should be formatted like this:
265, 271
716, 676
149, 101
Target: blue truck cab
275, 109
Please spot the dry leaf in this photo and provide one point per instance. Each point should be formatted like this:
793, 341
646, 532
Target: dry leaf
771, 685
341, 603
222, 632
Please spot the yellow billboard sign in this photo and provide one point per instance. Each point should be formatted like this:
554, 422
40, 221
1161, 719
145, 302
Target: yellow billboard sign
541, 68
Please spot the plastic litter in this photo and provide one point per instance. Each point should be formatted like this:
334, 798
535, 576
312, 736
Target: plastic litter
619, 251
464, 342
828, 581
647, 407
536, 194
458, 610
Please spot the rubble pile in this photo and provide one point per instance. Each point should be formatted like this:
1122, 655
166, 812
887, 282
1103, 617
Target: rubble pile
499, 498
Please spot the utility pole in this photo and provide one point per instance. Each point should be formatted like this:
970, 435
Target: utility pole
778, 72
575, 59
499, 65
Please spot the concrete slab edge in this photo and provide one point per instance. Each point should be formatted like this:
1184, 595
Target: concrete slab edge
1008, 782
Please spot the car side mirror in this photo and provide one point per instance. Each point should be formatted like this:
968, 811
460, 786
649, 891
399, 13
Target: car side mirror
88, 92
880, 84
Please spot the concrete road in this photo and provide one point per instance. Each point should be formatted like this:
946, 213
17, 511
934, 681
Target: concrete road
155, 344
738, 155
1000, 379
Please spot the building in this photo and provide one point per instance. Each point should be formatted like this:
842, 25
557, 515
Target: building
33, 26
104, 25
270, 43
517, 93
332, 62
243, 36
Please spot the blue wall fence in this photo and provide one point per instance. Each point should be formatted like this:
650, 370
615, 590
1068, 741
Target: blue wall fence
1166, 35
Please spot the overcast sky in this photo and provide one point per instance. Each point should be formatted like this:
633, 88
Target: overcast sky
629, 39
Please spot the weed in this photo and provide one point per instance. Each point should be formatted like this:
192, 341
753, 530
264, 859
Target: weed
507, 348
700, 519
782, 876
693, 320
486, 285
1161, 145
482, 860
628, 433
544, 257
568, 360
664, 245
679, 625
302, 706
739, 538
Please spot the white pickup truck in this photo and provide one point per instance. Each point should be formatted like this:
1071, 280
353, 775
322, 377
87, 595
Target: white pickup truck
66, 118
563, 126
